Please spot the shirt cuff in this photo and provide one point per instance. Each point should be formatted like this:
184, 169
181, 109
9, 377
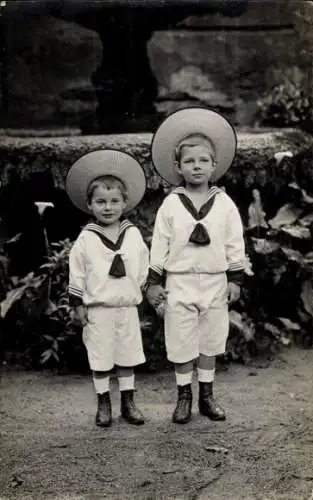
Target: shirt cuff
154, 278
75, 301
235, 277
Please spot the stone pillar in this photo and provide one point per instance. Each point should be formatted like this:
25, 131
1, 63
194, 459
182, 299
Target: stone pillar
125, 86
125, 83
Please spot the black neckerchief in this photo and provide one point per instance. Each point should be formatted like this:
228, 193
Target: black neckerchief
199, 235
117, 267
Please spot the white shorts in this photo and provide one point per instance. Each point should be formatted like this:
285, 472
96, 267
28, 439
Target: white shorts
113, 337
196, 317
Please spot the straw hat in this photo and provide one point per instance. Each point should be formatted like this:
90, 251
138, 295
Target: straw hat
189, 121
105, 162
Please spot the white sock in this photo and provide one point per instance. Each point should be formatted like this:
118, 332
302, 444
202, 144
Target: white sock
126, 383
205, 375
102, 384
183, 378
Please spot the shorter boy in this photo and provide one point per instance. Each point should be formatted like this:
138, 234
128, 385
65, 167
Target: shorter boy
108, 266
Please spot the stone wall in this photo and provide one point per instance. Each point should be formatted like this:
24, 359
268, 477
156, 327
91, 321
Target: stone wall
223, 62
228, 63
28, 156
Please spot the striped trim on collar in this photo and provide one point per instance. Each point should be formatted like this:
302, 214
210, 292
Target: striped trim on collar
212, 191
182, 193
93, 226
96, 228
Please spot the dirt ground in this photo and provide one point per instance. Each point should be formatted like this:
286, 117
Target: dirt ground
50, 448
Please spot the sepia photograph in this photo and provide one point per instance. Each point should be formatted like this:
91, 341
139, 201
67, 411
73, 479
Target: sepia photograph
156, 250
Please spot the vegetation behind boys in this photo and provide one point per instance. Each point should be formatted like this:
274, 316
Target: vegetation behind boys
275, 309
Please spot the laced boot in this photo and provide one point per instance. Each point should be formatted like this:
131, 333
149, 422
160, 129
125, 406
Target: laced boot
207, 404
104, 412
182, 412
129, 410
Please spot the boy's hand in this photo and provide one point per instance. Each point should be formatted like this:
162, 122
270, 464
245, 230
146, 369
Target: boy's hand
160, 309
156, 294
233, 292
81, 315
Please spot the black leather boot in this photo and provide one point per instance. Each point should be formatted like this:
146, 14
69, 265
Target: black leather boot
104, 412
207, 405
129, 410
182, 412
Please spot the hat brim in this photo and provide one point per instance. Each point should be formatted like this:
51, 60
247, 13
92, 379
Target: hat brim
184, 122
105, 162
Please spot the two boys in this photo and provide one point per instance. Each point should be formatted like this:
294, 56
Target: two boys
196, 260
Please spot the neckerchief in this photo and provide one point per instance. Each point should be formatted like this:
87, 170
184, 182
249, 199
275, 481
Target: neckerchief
199, 235
117, 267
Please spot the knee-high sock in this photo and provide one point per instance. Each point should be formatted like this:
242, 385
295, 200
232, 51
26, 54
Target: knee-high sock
127, 383
101, 383
183, 378
205, 375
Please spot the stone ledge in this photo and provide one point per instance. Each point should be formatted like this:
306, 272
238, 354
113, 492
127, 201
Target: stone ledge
36, 154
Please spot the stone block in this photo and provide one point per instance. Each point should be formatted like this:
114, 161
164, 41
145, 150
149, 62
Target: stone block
49, 70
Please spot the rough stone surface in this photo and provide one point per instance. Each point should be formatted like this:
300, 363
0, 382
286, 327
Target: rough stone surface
50, 64
267, 13
228, 63
56, 154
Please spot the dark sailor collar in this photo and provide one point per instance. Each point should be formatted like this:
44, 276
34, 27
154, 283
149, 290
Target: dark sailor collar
188, 204
98, 229
117, 269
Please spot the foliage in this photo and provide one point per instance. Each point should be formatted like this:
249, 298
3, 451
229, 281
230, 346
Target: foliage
36, 317
287, 105
275, 308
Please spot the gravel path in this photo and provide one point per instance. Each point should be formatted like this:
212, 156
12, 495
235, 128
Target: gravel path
50, 448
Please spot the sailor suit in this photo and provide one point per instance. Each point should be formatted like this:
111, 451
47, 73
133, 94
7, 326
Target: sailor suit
107, 278
196, 253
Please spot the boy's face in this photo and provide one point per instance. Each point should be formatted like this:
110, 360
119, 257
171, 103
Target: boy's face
196, 164
107, 205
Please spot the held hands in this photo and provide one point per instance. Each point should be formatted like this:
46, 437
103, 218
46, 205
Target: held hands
157, 296
80, 315
233, 292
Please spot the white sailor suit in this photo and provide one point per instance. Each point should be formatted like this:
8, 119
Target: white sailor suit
107, 278
196, 252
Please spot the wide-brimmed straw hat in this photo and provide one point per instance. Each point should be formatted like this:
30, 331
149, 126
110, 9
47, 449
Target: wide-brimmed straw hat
190, 121
105, 162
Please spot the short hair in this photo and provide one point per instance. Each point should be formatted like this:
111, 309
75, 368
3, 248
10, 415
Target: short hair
108, 182
191, 140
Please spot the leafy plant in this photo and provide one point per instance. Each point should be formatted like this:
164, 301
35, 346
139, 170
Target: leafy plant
287, 104
36, 314
276, 307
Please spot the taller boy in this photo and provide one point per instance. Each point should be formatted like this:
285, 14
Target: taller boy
197, 251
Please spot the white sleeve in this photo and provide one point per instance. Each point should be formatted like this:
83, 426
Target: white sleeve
235, 245
160, 243
77, 273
